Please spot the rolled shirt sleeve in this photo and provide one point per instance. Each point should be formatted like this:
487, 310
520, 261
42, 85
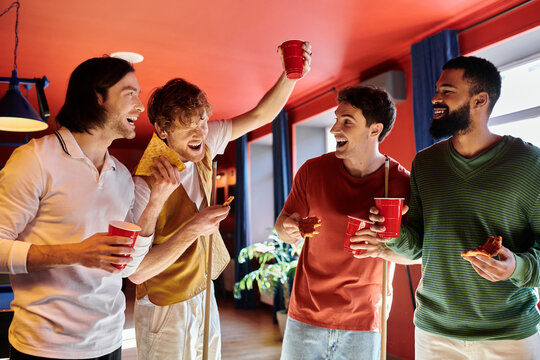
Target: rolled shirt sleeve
21, 186
143, 243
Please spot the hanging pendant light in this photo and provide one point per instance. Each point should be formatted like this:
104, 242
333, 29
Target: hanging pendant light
16, 113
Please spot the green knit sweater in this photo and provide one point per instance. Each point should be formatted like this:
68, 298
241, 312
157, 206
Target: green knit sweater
456, 204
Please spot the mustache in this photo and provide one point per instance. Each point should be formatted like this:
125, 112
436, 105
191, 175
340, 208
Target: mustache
440, 106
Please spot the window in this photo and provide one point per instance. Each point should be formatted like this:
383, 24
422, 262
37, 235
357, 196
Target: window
313, 137
261, 188
517, 112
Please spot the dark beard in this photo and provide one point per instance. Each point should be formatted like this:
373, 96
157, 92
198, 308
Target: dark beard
451, 123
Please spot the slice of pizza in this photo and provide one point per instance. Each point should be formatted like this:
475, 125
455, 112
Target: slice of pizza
228, 201
491, 248
155, 148
308, 225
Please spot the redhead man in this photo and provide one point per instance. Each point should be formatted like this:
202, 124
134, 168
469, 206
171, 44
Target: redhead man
169, 312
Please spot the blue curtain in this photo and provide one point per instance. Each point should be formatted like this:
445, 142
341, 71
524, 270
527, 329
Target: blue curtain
428, 57
281, 155
242, 236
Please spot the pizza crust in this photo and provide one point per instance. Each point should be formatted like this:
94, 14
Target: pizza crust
490, 248
155, 148
308, 225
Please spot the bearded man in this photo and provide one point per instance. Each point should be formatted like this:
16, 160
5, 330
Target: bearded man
474, 185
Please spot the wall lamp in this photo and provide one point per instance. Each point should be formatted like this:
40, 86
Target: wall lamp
16, 113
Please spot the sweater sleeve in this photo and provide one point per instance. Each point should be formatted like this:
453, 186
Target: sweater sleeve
410, 240
527, 272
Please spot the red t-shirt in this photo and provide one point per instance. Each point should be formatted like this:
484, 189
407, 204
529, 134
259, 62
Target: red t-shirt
333, 289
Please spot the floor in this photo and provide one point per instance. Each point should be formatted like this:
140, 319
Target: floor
246, 334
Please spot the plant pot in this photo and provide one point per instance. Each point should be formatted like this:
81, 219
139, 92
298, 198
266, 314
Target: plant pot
281, 316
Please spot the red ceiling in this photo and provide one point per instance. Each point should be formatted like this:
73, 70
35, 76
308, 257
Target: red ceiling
228, 48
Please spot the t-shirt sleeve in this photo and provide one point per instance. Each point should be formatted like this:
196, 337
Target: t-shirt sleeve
297, 200
21, 187
219, 135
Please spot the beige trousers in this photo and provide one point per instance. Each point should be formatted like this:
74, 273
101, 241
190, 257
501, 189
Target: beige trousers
434, 347
175, 332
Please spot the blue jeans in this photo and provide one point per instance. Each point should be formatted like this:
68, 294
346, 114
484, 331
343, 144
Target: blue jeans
306, 342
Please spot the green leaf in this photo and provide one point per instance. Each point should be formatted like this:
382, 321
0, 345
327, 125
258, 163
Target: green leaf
277, 263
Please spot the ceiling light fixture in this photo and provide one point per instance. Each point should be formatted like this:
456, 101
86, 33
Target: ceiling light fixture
16, 113
130, 57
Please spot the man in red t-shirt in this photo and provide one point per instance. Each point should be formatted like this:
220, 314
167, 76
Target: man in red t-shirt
336, 299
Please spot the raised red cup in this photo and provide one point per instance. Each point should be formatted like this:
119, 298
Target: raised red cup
391, 209
123, 228
353, 225
293, 58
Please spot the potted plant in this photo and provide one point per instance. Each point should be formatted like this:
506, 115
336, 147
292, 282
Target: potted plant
277, 265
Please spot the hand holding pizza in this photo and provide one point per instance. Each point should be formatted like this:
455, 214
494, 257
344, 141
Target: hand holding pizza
290, 226
492, 269
166, 180
207, 221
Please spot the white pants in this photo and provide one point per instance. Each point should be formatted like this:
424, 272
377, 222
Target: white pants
176, 332
434, 347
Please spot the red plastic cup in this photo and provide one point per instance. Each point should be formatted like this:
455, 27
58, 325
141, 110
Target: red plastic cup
353, 225
293, 58
391, 209
122, 228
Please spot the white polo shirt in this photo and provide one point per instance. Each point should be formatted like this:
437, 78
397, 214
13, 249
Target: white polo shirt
51, 193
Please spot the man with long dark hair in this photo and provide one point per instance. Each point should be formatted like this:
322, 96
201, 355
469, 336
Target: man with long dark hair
57, 195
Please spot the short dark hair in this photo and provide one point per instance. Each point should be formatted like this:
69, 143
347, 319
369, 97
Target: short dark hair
481, 74
177, 99
82, 111
375, 103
